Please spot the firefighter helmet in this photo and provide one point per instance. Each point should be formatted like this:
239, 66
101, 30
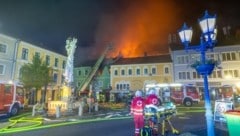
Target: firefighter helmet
138, 93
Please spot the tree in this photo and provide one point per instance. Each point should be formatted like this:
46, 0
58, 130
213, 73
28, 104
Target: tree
36, 75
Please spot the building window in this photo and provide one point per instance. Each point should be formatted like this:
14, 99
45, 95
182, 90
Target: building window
37, 54
79, 72
55, 77
228, 56
86, 72
64, 64
166, 70
138, 71
115, 72
122, 72
3, 48
231, 73
184, 75
145, 71
56, 62
182, 59
154, 71
219, 74
122, 86
24, 54
2, 68
129, 72
63, 79
196, 75
47, 60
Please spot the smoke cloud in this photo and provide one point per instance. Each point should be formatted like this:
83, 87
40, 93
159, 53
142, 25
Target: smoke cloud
142, 27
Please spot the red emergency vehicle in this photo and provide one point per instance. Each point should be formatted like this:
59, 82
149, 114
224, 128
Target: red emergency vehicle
225, 92
186, 94
11, 98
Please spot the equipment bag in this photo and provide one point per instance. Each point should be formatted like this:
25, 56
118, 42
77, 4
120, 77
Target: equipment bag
146, 131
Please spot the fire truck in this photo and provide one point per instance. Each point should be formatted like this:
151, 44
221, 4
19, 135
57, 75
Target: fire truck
225, 92
186, 94
11, 98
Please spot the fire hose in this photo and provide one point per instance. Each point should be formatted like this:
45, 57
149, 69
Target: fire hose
156, 116
16, 123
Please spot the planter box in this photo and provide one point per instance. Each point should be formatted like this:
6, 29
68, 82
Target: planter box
233, 122
205, 68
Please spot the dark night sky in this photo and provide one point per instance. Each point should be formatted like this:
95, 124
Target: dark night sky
94, 23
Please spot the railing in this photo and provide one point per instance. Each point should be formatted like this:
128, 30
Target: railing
52, 105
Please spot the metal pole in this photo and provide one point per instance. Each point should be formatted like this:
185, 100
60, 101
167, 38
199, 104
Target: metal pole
208, 107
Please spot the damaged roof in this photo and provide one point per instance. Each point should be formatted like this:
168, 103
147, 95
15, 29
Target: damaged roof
144, 60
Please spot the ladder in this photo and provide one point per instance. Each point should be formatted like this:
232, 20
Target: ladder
94, 70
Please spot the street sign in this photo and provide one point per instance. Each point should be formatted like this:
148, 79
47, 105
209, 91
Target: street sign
221, 106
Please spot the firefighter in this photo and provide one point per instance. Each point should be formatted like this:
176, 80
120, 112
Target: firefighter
152, 98
137, 111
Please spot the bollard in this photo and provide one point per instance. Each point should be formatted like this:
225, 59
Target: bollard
89, 107
58, 111
80, 110
96, 106
34, 110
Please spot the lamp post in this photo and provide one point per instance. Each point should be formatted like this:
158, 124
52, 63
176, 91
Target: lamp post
207, 41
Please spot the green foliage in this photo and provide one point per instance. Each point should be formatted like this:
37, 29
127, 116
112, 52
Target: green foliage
36, 74
209, 61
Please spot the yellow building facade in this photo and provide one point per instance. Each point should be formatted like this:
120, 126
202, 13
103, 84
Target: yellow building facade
25, 53
131, 74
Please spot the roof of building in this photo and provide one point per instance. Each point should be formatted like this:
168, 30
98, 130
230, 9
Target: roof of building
166, 58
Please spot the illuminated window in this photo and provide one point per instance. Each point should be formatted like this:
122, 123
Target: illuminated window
231, 73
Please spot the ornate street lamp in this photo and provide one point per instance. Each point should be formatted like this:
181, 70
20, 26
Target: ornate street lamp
205, 67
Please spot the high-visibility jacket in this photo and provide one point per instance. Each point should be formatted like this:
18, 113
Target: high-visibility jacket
137, 106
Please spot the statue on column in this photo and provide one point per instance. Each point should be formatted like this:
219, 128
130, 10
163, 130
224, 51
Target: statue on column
70, 47
67, 89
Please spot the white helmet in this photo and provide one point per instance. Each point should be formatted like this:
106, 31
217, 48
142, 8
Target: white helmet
151, 91
138, 93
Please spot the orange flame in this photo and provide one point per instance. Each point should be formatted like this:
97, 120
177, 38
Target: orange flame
142, 28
